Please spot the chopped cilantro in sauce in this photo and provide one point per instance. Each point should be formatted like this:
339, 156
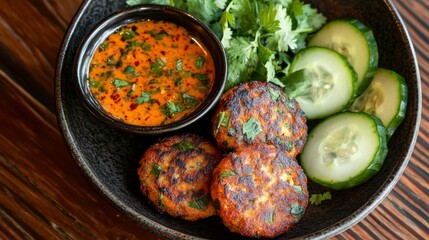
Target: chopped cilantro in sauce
151, 73
119, 83
143, 98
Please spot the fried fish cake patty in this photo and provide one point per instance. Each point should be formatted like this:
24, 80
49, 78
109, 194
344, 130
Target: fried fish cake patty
175, 174
259, 191
256, 112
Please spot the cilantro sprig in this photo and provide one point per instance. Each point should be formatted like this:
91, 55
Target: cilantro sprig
185, 102
259, 36
317, 199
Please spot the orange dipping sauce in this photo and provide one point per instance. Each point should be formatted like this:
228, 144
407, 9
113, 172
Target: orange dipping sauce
151, 73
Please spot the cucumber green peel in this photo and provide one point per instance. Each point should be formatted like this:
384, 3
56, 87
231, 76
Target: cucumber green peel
356, 42
386, 97
322, 81
345, 150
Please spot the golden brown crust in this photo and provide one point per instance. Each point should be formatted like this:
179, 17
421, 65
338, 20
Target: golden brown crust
259, 191
256, 112
175, 174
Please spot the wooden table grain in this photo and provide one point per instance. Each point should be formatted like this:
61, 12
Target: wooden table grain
43, 194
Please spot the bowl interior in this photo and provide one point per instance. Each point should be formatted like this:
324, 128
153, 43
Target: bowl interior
109, 157
110, 24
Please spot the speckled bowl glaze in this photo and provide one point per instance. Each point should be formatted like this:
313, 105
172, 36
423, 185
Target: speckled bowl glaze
109, 157
124, 16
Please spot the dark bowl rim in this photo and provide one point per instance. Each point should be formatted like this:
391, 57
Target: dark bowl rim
121, 17
165, 231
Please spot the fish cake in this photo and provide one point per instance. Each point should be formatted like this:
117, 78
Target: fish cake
175, 174
259, 191
256, 112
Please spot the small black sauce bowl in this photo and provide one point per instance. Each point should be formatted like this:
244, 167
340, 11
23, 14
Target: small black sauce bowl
129, 15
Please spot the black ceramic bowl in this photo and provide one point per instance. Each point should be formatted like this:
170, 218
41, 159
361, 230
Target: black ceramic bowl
111, 23
109, 157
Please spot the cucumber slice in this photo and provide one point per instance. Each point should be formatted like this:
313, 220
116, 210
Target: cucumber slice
345, 150
353, 40
322, 81
386, 97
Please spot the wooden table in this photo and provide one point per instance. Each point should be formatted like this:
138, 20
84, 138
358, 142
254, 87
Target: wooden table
43, 194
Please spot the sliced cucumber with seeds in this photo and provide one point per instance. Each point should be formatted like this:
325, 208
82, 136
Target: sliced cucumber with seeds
353, 40
322, 81
386, 97
345, 150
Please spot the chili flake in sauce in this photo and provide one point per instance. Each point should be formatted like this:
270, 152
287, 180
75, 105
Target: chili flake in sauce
151, 73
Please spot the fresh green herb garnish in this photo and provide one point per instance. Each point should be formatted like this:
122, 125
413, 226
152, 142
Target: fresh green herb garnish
200, 203
298, 83
133, 75
184, 146
199, 62
111, 60
189, 101
186, 102
232, 132
145, 46
179, 65
132, 44
157, 66
156, 170
203, 78
119, 83
288, 145
157, 35
226, 174
290, 104
316, 199
153, 81
143, 98
178, 81
131, 91
252, 128
297, 209
259, 36
187, 74
160, 62
102, 88
297, 189
160, 197
170, 108
127, 35
222, 120
104, 46
129, 69
107, 74
93, 83
275, 94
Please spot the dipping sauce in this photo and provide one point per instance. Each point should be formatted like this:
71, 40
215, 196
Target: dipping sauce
151, 73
